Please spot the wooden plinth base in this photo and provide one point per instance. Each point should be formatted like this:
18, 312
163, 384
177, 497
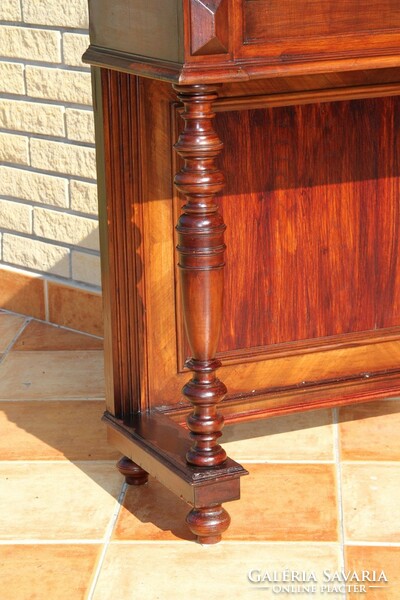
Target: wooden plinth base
160, 446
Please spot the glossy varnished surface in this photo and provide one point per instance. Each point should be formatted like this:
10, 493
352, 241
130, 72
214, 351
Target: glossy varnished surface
265, 20
312, 221
346, 164
206, 41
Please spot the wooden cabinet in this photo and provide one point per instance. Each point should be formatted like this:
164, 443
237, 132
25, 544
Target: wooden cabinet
276, 286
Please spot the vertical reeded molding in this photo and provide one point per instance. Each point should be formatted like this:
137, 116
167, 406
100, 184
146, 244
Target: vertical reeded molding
201, 260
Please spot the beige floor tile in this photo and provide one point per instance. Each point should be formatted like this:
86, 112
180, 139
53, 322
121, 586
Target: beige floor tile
53, 572
187, 570
376, 558
58, 375
51, 501
371, 501
10, 325
54, 430
151, 512
285, 502
42, 336
278, 502
301, 436
370, 431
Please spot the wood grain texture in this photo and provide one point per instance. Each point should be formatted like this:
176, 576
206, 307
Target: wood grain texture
265, 20
254, 367
201, 251
312, 309
211, 41
116, 123
209, 28
312, 221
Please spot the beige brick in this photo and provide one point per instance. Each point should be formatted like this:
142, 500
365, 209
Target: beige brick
63, 227
14, 149
31, 44
35, 187
12, 78
34, 117
36, 255
54, 12
74, 45
84, 197
59, 84
86, 268
63, 158
15, 216
80, 125
10, 10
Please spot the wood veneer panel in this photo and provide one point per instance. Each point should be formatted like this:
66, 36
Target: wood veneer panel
270, 19
120, 236
311, 207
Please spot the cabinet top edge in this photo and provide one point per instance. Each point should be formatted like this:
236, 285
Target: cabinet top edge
228, 72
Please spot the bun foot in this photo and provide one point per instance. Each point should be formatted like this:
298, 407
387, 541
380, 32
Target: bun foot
208, 523
134, 475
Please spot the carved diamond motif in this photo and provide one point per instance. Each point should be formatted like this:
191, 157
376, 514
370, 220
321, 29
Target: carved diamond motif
209, 27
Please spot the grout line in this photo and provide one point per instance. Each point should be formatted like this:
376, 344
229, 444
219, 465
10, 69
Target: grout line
60, 461
56, 325
106, 540
243, 542
11, 344
336, 447
56, 398
36, 542
372, 461
46, 300
40, 171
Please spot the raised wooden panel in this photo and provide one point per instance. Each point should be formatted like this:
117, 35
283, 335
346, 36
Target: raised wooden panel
312, 214
266, 20
209, 26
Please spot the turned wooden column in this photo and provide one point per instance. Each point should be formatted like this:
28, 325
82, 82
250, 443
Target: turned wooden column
201, 260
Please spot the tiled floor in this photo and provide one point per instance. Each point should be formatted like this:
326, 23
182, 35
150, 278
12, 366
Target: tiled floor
323, 495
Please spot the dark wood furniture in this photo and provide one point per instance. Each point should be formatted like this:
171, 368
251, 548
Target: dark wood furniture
304, 98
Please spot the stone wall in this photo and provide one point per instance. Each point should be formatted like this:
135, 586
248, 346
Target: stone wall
48, 205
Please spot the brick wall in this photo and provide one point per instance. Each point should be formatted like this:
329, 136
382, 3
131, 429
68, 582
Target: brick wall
48, 205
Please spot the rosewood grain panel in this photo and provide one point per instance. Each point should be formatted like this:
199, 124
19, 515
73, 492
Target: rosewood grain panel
266, 20
311, 220
158, 242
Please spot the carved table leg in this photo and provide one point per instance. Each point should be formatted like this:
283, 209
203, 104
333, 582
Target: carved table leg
201, 260
134, 475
